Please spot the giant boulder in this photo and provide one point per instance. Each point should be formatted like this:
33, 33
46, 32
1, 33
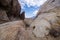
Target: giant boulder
13, 31
49, 11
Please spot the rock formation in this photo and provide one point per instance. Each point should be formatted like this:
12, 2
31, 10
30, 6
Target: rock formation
46, 25
11, 10
3, 16
22, 15
13, 31
50, 13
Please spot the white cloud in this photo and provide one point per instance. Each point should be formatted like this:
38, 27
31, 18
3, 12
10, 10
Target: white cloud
29, 3
32, 14
35, 12
22, 4
28, 16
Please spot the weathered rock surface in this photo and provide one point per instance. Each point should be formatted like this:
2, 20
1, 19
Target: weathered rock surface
42, 24
13, 31
3, 16
49, 12
41, 28
11, 9
50, 5
46, 26
22, 15
5, 2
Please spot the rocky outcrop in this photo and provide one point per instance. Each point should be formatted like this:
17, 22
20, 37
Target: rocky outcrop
46, 26
13, 31
3, 16
12, 9
16, 31
42, 24
5, 2
22, 15
50, 6
47, 20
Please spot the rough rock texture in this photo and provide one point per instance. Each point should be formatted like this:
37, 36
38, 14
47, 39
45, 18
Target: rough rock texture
22, 15
49, 11
3, 16
11, 6
46, 26
42, 24
13, 31
11, 10
28, 21
50, 5
5, 2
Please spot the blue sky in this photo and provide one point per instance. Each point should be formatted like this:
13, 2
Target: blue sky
31, 7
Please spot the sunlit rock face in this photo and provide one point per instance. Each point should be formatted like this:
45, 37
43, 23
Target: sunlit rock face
50, 5
41, 28
49, 14
13, 31
46, 26
42, 24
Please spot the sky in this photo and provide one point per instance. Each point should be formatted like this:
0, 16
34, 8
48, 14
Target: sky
31, 7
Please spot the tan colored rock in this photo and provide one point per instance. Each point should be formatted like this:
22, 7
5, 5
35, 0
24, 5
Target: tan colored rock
13, 10
42, 24
50, 5
13, 31
41, 28
50, 11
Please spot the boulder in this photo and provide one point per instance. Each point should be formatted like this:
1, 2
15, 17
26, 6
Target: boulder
42, 24
10, 10
50, 12
14, 9
50, 5
13, 31
41, 28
